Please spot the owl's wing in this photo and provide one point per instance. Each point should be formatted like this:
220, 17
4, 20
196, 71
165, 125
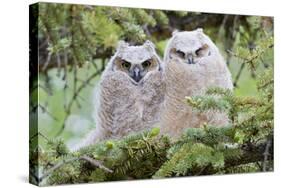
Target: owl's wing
114, 88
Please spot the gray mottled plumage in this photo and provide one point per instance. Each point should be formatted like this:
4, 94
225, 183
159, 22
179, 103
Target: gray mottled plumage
130, 93
192, 63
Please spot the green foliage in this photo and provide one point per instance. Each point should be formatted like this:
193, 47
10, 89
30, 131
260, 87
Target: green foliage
125, 158
190, 159
82, 32
208, 103
207, 150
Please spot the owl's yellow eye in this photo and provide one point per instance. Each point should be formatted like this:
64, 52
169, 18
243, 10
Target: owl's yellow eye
126, 64
146, 64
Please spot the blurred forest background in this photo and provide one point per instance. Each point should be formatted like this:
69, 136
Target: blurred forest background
76, 41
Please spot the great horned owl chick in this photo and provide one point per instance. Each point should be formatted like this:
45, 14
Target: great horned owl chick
130, 93
192, 63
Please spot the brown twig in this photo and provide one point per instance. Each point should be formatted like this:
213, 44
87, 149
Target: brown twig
95, 162
266, 154
238, 75
37, 135
58, 63
47, 62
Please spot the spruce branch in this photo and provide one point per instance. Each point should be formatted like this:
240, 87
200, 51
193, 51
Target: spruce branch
93, 162
201, 151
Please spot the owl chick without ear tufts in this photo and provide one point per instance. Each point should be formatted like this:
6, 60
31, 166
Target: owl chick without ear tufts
192, 64
130, 93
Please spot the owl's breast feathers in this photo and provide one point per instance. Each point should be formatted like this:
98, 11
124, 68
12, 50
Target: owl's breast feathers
190, 80
133, 107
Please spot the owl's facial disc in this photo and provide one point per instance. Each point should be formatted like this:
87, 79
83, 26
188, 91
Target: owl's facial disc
190, 56
136, 70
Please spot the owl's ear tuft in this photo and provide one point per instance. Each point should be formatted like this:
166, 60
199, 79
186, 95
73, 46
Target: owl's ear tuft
175, 32
122, 45
200, 33
149, 45
199, 30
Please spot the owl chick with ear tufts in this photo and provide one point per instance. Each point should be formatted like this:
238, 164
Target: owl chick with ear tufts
130, 93
192, 64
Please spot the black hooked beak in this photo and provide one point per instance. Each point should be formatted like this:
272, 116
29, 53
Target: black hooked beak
190, 60
136, 74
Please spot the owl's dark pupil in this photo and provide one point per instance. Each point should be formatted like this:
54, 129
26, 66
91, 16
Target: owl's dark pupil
146, 64
126, 64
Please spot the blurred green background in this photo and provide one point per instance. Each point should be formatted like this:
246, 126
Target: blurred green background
76, 42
